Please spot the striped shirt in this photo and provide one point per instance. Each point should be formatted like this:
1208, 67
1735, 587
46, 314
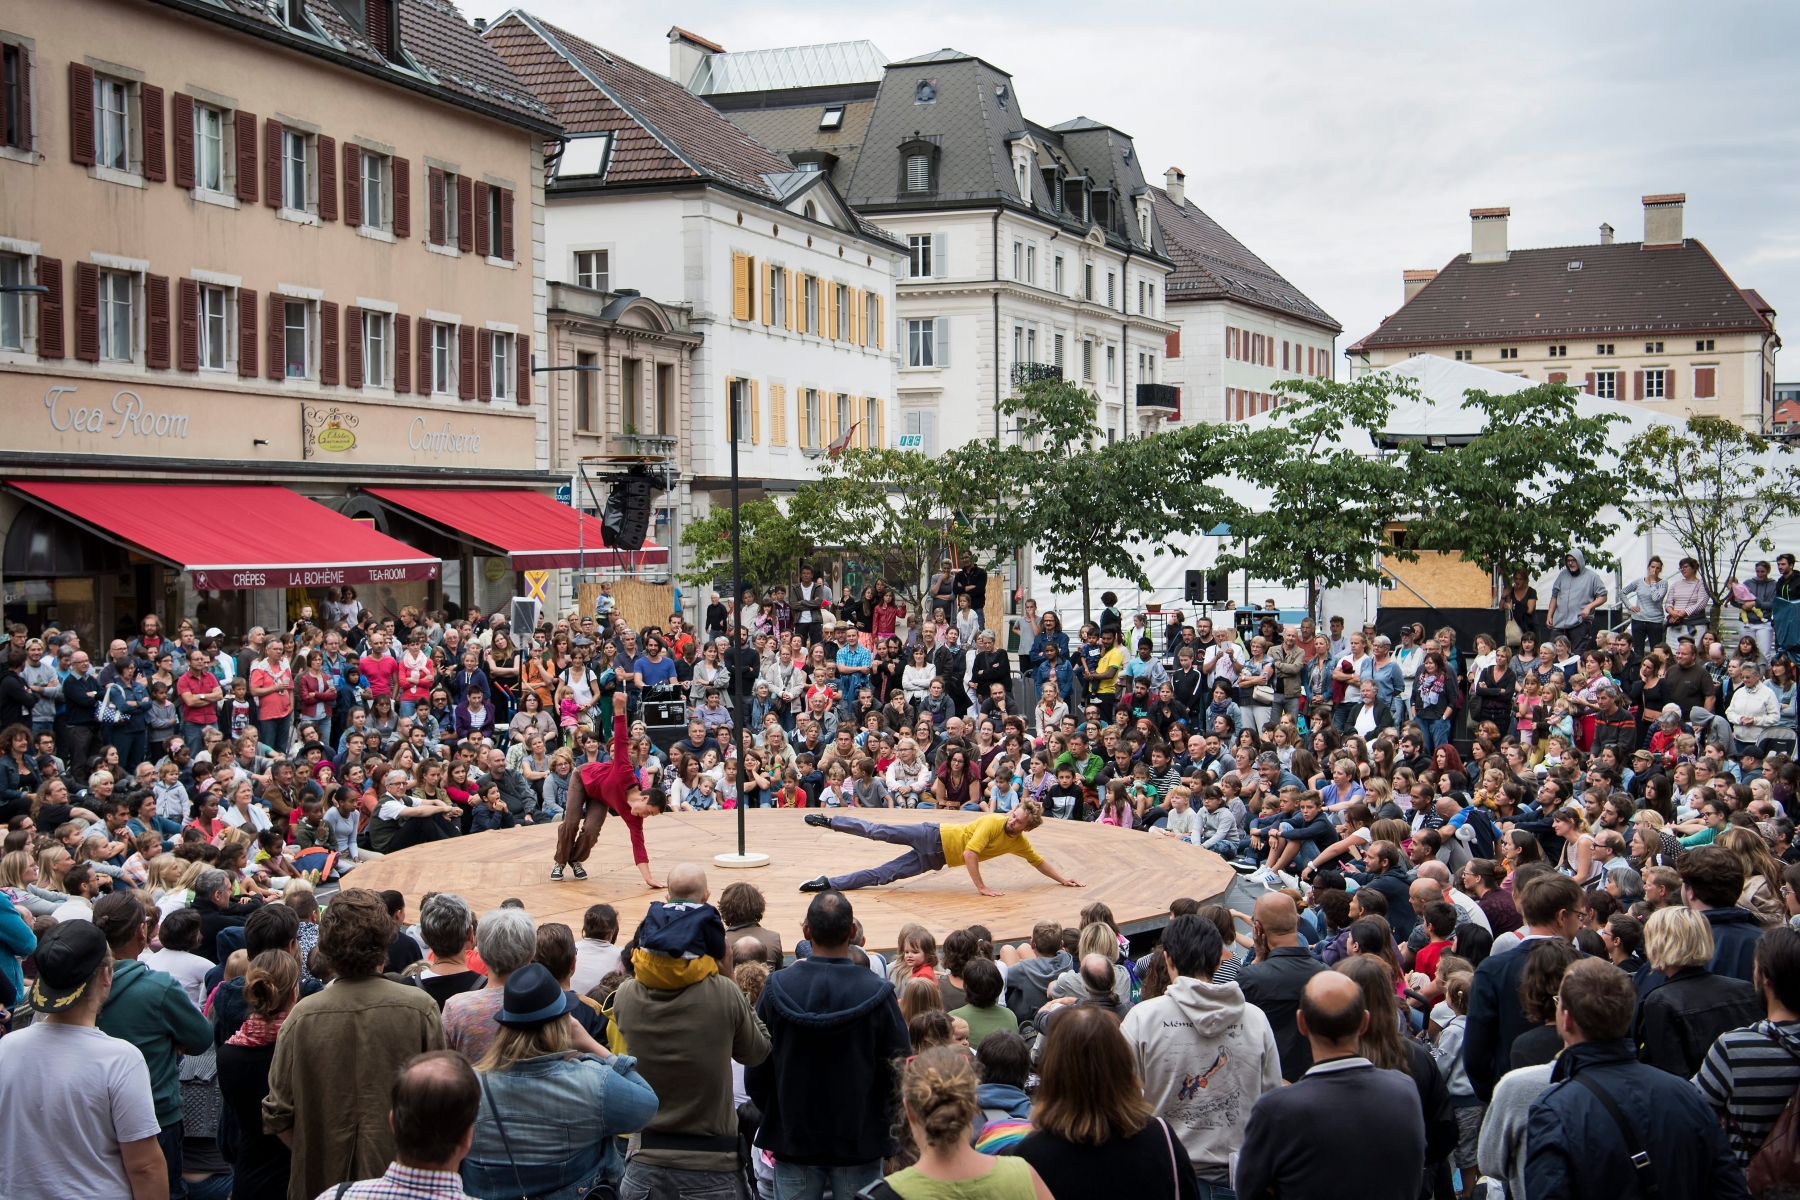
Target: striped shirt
1748, 1077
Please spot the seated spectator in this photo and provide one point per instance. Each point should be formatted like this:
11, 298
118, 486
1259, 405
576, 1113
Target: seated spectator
448, 926
1686, 1006
985, 1014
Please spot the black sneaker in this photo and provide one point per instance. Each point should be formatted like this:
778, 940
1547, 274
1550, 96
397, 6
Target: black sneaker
819, 819
556, 872
821, 884
576, 870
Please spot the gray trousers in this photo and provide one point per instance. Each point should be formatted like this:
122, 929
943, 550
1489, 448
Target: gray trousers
925, 852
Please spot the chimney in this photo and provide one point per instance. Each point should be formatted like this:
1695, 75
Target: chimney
1415, 282
1487, 242
480, 24
1606, 234
1175, 184
686, 52
1662, 220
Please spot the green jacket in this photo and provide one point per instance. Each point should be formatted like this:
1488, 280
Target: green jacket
150, 1010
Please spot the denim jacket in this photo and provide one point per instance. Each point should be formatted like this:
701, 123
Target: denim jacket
563, 1116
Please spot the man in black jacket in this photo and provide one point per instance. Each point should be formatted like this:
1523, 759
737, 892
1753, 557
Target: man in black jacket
81, 723
826, 1089
1386, 874
1278, 977
1551, 905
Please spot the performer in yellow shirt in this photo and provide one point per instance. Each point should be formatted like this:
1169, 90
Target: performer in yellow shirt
931, 846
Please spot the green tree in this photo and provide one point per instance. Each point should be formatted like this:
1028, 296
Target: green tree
1533, 483
885, 505
1714, 485
1331, 503
771, 546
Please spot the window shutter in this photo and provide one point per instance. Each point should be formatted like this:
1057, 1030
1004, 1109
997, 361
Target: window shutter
328, 178
484, 365
1557, 377
156, 154
403, 198
795, 282
375, 24
941, 342
26, 141
763, 288
328, 343
862, 317
465, 362
272, 163
880, 325
522, 366
832, 292
1705, 383
352, 184
245, 128
830, 400
402, 355
506, 224
482, 249
465, 220
246, 333
1637, 385
81, 142
434, 183
755, 412
777, 415
1172, 346
424, 357
187, 324
87, 312
275, 337
353, 346
182, 110
940, 253
50, 309
740, 302
1589, 389
1669, 383
156, 305
881, 424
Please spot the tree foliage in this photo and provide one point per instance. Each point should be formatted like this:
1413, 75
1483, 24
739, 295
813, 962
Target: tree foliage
1716, 487
1533, 483
771, 547
885, 505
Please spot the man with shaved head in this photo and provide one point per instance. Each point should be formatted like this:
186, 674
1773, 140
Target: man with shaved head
1362, 1123
1275, 981
1468, 912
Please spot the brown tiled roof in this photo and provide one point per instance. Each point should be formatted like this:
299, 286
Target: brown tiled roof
1619, 288
456, 63
1210, 264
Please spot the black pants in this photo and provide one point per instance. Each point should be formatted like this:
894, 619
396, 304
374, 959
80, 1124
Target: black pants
416, 831
1580, 635
1645, 634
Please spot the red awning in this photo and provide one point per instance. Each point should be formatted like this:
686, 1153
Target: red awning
536, 532
230, 536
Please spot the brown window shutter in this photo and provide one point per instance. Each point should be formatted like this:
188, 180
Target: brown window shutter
375, 24
465, 362
435, 185
246, 333
275, 338
402, 355
156, 321
182, 110
272, 163
522, 351
1589, 389
187, 324
506, 224
81, 122
484, 365
246, 156
328, 183
482, 249
424, 357
156, 154
1172, 345
465, 217
50, 309
87, 312
1637, 385
353, 346
403, 198
1557, 377
352, 184
1705, 383
26, 141
1669, 384
328, 343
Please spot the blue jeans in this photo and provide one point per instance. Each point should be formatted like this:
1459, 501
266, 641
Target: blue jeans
1213, 1191
925, 852
407, 708
796, 1181
1437, 733
169, 1138
644, 1181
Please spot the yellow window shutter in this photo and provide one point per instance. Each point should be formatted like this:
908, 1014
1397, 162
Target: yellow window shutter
881, 423
755, 412
833, 323
831, 416
859, 314
740, 287
862, 423
777, 415
765, 289
793, 279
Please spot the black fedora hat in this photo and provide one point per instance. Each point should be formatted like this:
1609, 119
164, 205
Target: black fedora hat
533, 997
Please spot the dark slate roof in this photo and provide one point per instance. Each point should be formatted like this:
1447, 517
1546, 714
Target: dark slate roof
791, 131
454, 63
1210, 264
1620, 289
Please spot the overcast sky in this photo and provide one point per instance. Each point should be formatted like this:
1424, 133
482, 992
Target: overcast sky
1346, 142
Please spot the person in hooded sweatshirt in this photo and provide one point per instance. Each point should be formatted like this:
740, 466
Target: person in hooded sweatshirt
826, 1089
1574, 596
1205, 1056
1028, 980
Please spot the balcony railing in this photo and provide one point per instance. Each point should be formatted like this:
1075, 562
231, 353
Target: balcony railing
1160, 396
1024, 374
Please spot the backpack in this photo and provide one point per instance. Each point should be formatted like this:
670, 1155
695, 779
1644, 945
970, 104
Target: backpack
1777, 1164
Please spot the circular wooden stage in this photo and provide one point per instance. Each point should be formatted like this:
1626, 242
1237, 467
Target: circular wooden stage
1135, 874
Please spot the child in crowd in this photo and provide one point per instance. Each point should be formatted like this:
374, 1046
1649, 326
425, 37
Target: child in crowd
1467, 1106
1003, 787
490, 811
1182, 819
236, 708
1066, 798
833, 794
789, 794
1217, 830
867, 788
172, 798
703, 796
136, 871
811, 781
680, 942
1116, 808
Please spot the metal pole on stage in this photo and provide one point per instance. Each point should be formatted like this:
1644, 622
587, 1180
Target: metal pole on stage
739, 701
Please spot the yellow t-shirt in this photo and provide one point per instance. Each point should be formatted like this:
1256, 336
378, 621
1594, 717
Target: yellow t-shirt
1114, 658
988, 838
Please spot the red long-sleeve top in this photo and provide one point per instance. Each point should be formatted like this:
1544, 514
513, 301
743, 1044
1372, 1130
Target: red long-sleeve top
611, 783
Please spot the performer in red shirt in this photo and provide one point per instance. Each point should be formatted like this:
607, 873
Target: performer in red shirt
599, 788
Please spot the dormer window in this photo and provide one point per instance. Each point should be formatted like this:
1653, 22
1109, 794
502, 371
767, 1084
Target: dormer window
381, 25
832, 118
925, 91
811, 211
293, 12
918, 167
1022, 173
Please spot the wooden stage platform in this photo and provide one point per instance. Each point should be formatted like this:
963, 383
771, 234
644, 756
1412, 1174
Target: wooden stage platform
1136, 874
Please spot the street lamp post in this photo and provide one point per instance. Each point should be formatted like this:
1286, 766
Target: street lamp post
739, 702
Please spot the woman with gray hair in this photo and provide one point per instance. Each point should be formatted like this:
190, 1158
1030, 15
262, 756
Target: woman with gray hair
506, 939
447, 924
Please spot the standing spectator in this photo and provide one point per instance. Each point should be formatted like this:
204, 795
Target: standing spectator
506, 940
826, 1087
81, 693
595, 955
432, 1107
80, 1116
1750, 1074
1574, 596
262, 1160
448, 926
151, 1011
1277, 979
1552, 906
340, 1048
1360, 1123
686, 1037
272, 927
1712, 879
1626, 1121
1201, 1032
741, 907
1683, 1006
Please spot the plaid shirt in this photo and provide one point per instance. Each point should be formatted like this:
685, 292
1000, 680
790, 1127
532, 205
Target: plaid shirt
403, 1183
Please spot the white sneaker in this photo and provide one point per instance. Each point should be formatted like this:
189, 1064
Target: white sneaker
1264, 876
1288, 881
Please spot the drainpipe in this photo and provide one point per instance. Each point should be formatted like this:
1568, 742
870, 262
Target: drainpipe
996, 326
1125, 341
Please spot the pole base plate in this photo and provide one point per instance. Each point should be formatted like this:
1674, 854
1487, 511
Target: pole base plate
741, 861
